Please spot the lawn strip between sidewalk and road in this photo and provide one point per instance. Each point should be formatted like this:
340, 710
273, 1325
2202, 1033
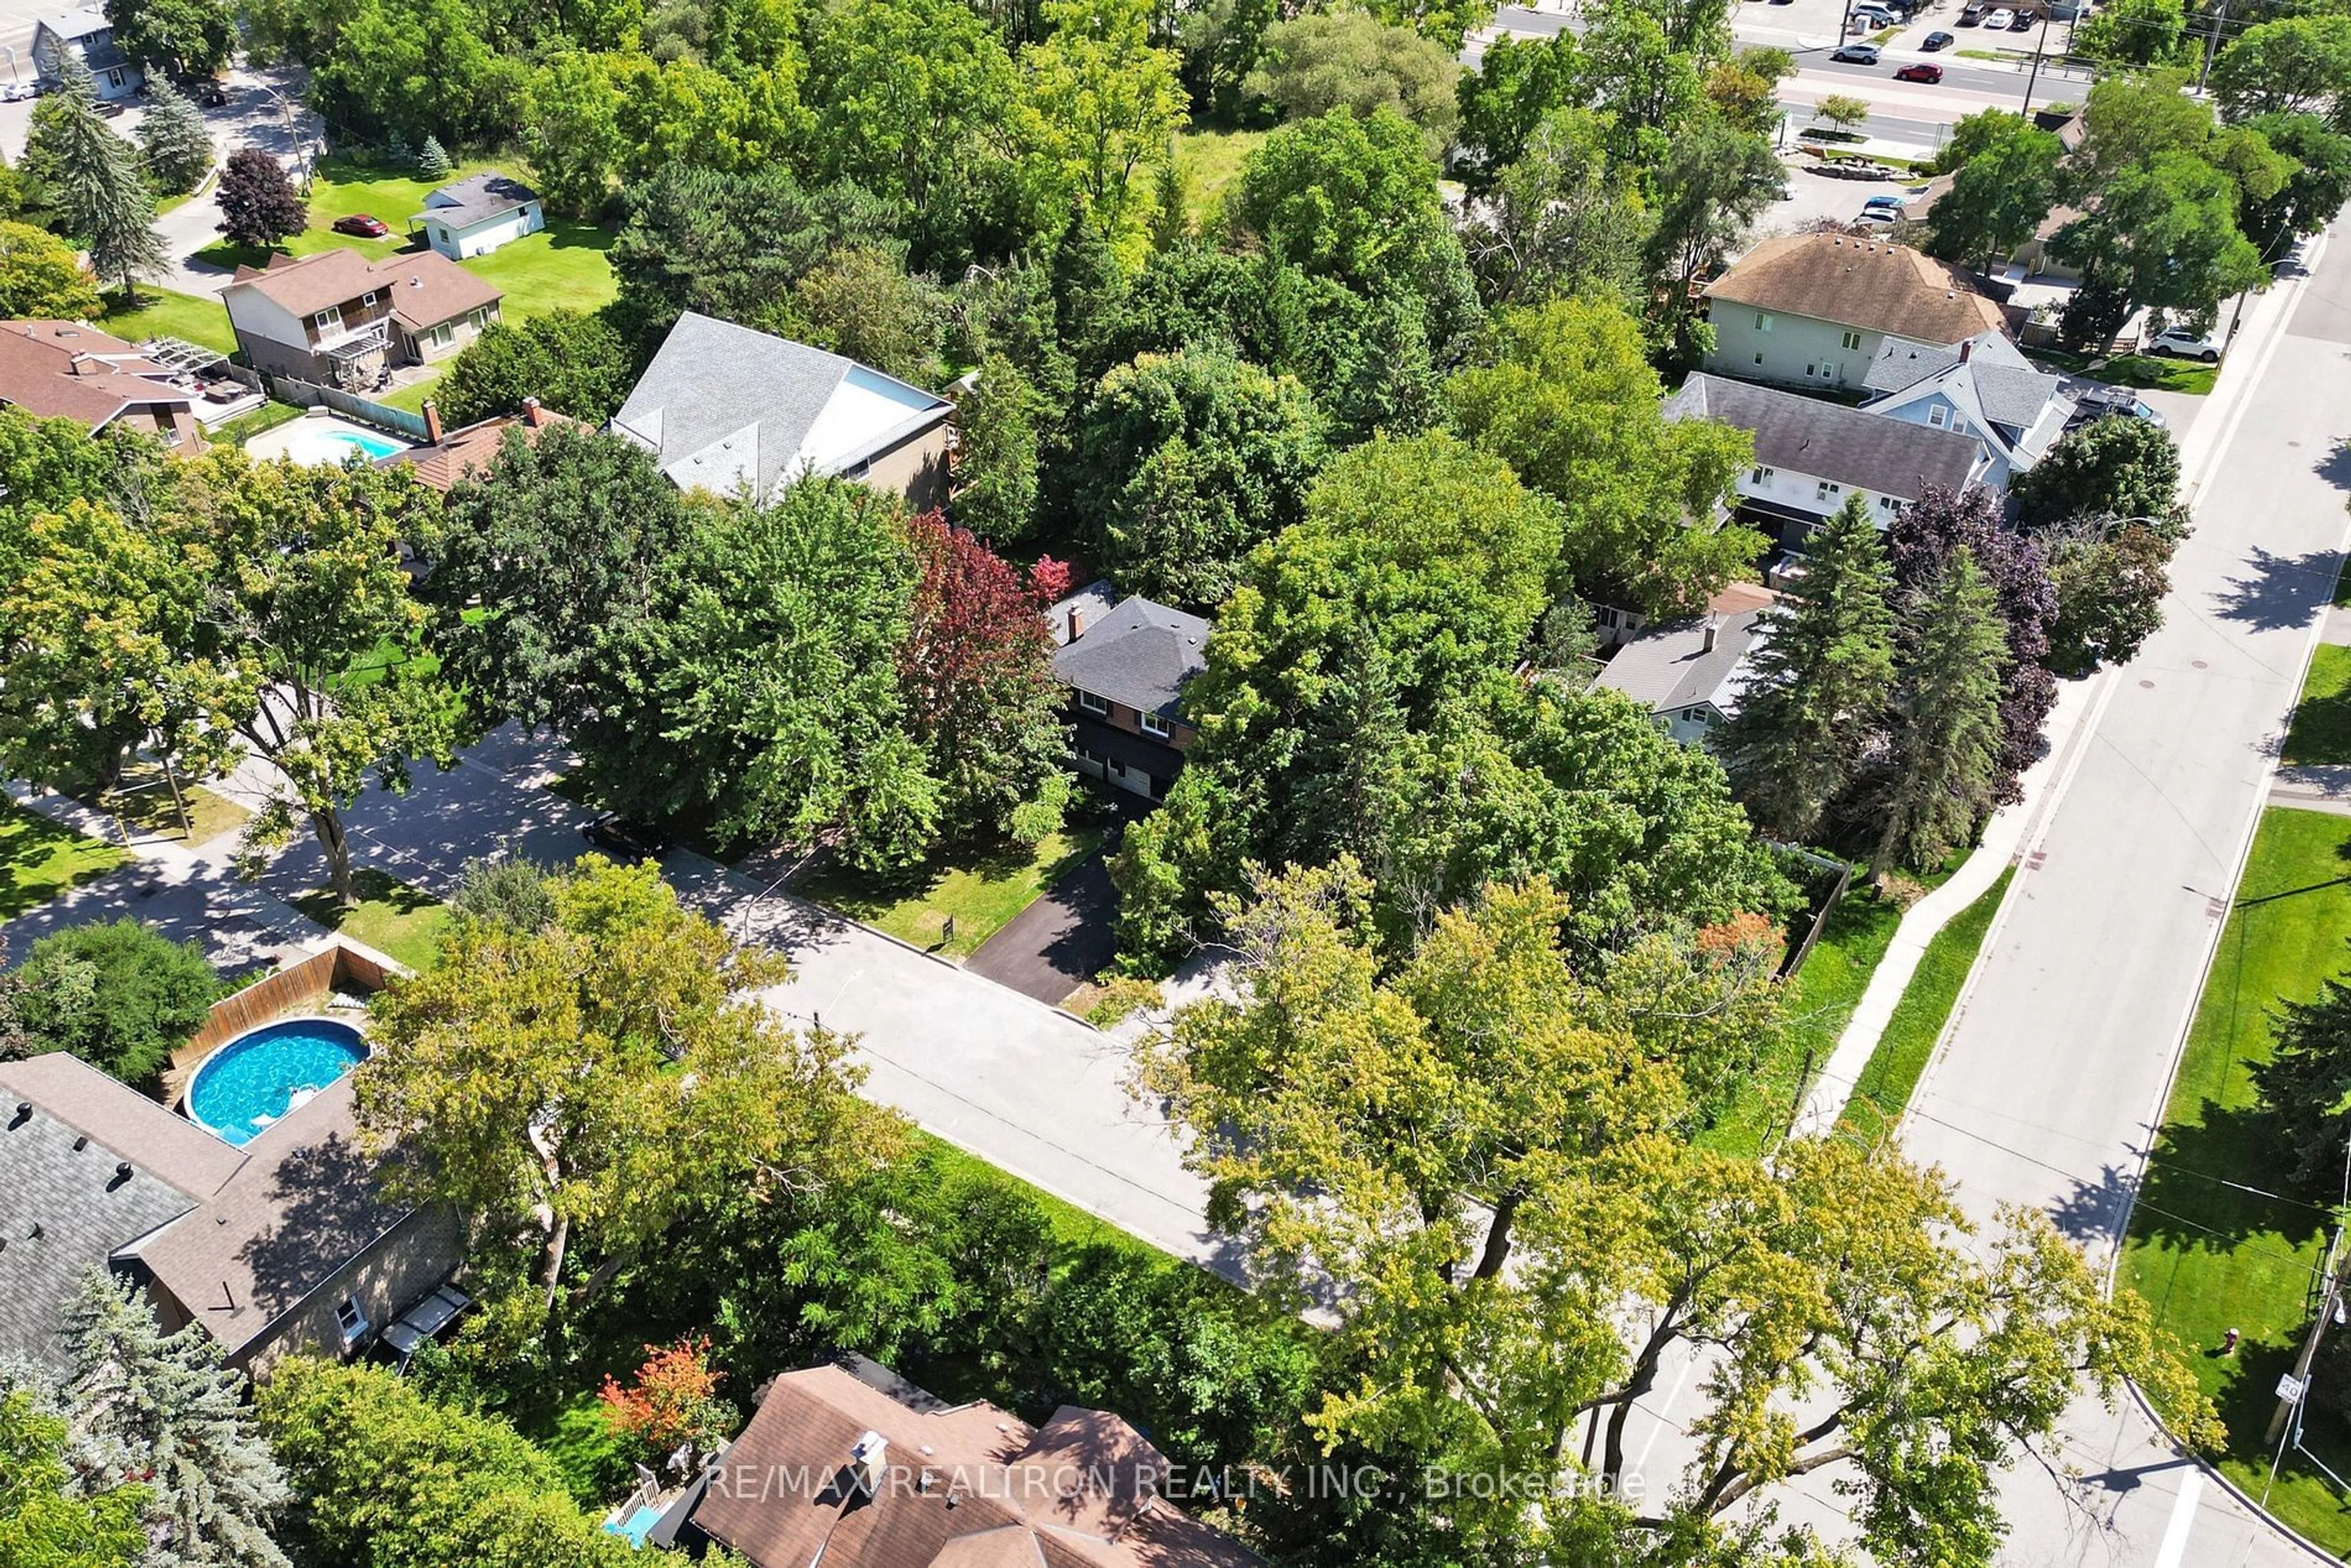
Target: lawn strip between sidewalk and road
1884, 1090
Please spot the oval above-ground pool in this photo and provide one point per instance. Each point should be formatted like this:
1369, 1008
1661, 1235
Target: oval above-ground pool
254, 1080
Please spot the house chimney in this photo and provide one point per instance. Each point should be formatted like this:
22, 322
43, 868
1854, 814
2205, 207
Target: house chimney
432, 422
1709, 633
870, 1455
532, 414
1967, 347
1077, 623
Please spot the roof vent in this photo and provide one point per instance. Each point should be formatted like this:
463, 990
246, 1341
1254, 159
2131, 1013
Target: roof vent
122, 1169
36, 1233
81, 1141
24, 1112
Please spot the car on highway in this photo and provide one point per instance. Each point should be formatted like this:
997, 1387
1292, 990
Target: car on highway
1999, 20
1934, 41
1922, 71
361, 224
1857, 54
637, 841
2180, 343
2113, 402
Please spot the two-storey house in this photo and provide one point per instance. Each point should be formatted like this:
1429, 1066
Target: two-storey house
1983, 388
338, 319
86, 35
1816, 310
71, 369
1811, 455
1125, 665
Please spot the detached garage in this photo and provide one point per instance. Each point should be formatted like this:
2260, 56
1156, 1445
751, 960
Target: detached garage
474, 217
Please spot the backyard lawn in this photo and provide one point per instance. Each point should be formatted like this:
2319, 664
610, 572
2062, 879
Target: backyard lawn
393, 917
2320, 731
980, 893
1894, 1066
39, 860
161, 313
1209, 161
2217, 1239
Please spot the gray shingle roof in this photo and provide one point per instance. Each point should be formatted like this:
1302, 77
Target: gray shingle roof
727, 408
1139, 656
476, 200
1828, 441
1670, 666
2011, 391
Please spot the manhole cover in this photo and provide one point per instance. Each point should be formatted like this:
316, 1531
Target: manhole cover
2200, 663
2148, 685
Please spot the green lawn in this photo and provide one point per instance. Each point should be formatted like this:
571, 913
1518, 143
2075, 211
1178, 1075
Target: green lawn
161, 313
39, 859
144, 800
564, 264
411, 396
2320, 731
246, 427
1892, 1075
982, 893
393, 917
1209, 162
2162, 374
1820, 1002
2216, 1242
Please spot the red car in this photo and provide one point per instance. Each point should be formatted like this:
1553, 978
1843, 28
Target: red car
366, 227
1921, 72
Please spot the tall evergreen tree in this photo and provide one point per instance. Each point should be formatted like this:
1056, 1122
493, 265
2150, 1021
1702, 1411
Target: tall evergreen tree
177, 1415
1947, 726
93, 182
1821, 678
433, 161
172, 139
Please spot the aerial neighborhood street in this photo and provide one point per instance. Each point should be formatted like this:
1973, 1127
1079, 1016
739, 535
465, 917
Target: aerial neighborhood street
916, 784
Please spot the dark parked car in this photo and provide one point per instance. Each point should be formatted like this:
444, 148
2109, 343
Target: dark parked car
1926, 73
1938, 41
2108, 403
2024, 22
361, 224
636, 840
1972, 16
212, 95
1857, 54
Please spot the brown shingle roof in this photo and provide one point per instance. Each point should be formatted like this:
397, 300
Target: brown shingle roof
1865, 283
71, 369
968, 1487
472, 446
427, 288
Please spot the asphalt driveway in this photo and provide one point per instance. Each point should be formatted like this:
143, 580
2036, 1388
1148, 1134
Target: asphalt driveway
1060, 942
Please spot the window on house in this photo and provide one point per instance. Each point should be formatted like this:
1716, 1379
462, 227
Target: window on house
1811, 368
439, 336
1759, 359
368, 297
1959, 425
351, 1320
1761, 474
329, 319
1762, 322
114, 78
1886, 503
1153, 724
1935, 416
1849, 340
1826, 490
1092, 704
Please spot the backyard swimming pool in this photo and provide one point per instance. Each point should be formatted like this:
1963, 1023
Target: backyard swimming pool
324, 441
256, 1077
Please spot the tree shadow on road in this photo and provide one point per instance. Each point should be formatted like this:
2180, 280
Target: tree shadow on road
2280, 592
2335, 467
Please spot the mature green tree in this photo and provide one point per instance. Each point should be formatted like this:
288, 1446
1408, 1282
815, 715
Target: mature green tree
2305, 1084
1354, 199
1820, 681
117, 994
258, 202
1519, 84
561, 540
1647, 85
1567, 398
505, 891
2109, 468
1187, 461
2163, 235
2004, 183
573, 362
90, 178
53, 462
1945, 754
51, 1515
178, 150
1483, 1159
573, 131
301, 579
2295, 65
595, 1079
977, 669
1098, 101
391, 1479
860, 303
2109, 577
417, 68
176, 1413
995, 451
2317, 189
1743, 92
759, 696
186, 39
1714, 181
1559, 222
2132, 34
1324, 60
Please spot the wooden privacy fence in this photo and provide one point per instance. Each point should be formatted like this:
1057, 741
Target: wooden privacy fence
299, 987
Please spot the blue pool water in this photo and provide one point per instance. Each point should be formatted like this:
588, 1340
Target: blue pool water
636, 1525
373, 445
256, 1077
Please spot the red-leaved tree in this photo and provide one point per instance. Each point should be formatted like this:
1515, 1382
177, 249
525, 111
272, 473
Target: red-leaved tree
672, 1402
977, 669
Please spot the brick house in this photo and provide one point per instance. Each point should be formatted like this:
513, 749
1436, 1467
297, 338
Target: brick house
1125, 664
338, 319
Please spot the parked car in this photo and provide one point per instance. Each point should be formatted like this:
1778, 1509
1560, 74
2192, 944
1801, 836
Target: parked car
637, 841
361, 224
1857, 54
2179, 342
111, 110
1875, 16
2113, 402
1938, 41
1972, 15
1883, 203
1998, 21
17, 91
1929, 74
212, 95
1878, 216
2024, 22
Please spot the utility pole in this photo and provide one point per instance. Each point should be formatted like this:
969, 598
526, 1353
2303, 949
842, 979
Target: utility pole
2291, 1391
2212, 42
2040, 48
